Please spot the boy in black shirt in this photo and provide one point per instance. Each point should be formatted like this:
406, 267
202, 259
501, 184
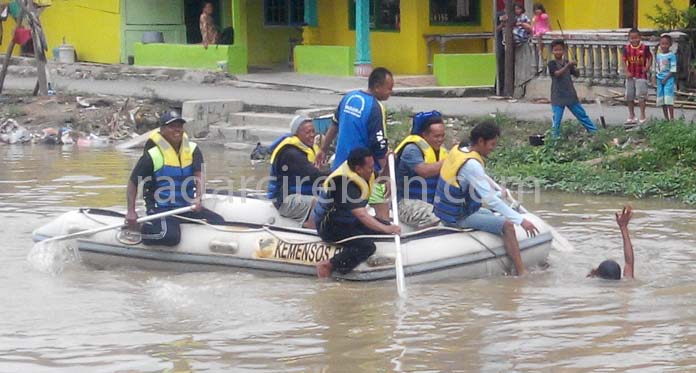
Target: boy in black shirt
563, 92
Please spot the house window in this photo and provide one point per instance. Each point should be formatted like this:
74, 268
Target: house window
283, 12
453, 12
385, 15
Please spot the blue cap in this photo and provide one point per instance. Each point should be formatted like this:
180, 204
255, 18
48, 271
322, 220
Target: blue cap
420, 120
170, 117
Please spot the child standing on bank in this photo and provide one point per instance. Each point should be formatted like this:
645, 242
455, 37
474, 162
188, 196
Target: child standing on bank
540, 25
637, 60
563, 93
665, 71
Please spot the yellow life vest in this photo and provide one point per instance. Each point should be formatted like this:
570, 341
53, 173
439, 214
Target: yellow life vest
455, 160
296, 142
428, 151
165, 155
345, 171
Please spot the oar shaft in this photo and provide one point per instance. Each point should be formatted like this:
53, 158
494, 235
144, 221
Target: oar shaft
398, 263
144, 219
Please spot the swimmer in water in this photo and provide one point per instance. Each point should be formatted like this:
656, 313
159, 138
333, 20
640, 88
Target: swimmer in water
610, 269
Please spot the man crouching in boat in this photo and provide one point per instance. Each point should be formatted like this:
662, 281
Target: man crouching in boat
464, 186
341, 212
293, 173
419, 159
170, 169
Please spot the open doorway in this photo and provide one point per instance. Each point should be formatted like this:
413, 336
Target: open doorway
192, 13
629, 13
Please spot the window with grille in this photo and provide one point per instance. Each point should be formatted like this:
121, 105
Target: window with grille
283, 12
385, 15
447, 12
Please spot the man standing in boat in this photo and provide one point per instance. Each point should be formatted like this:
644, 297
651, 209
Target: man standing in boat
341, 212
464, 186
361, 121
170, 171
419, 159
293, 172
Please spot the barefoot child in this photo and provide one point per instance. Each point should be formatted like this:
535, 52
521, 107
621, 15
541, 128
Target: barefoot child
562, 90
540, 26
637, 60
665, 71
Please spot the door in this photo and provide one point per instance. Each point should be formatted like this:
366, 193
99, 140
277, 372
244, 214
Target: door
629, 13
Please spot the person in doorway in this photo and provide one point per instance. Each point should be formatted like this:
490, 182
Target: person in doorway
419, 159
170, 171
563, 93
610, 269
665, 76
341, 212
209, 32
361, 121
293, 173
637, 60
464, 186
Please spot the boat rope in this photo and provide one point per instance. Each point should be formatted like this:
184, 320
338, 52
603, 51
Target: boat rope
495, 256
268, 230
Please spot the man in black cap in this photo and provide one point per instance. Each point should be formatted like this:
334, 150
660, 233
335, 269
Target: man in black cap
170, 170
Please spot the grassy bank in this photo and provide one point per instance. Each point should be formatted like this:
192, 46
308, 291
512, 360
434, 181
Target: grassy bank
658, 160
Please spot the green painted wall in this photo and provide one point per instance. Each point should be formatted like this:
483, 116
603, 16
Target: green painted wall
151, 15
467, 70
324, 60
192, 56
268, 45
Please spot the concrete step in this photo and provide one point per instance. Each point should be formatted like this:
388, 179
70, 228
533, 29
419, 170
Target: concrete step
246, 134
249, 119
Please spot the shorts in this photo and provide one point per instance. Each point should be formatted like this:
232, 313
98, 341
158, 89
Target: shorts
483, 220
296, 207
378, 194
636, 88
417, 213
665, 92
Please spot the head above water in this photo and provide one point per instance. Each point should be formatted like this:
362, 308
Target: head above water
607, 270
484, 137
380, 83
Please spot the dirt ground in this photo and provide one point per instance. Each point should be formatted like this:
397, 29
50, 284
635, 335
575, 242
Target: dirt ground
114, 117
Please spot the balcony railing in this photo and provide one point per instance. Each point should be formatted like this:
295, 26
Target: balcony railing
599, 54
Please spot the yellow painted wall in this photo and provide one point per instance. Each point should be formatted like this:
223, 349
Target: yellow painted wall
404, 51
91, 26
600, 14
268, 45
648, 7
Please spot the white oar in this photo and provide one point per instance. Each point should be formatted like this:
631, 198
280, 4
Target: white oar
115, 226
560, 243
398, 263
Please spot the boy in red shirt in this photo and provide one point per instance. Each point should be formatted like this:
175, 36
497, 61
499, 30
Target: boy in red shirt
637, 59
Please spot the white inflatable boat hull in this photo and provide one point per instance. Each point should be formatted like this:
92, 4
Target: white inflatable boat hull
266, 242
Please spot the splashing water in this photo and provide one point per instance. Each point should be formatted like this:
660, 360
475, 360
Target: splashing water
51, 257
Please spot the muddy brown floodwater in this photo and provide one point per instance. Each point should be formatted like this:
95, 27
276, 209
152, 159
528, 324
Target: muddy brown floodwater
127, 320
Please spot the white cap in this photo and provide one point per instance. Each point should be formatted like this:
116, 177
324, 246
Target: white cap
296, 122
